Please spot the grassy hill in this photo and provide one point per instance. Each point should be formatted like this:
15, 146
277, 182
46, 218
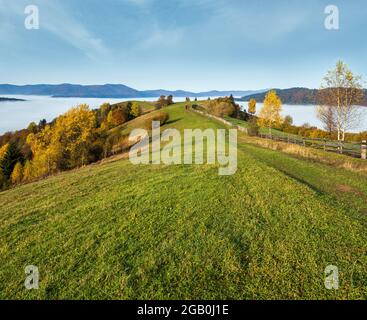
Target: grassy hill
121, 231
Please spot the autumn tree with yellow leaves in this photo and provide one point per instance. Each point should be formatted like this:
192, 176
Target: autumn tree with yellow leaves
136, 110
17, 174
252, 106
65, 145
269, 115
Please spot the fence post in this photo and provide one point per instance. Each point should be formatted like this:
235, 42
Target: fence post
324, 144
364, 150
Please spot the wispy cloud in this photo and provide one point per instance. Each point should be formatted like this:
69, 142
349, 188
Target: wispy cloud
56, 19
251, 20
163, 38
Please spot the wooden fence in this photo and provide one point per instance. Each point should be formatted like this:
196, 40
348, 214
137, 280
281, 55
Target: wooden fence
352, 149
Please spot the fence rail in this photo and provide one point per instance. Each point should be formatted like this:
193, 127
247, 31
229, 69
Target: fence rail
352, 149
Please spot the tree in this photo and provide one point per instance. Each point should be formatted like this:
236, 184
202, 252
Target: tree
74, 133
161, 102
11, 155
231, 99
341, 91
116, 118
170, 100
136, 110
2, 179
270, 113
33, 127
102, 112
47, 152
3, 150
42, 124
17, 174
119, 117
221, 108
110, 121
27, 171
252, 106
326, 115
288, 121
105, 109
65, 145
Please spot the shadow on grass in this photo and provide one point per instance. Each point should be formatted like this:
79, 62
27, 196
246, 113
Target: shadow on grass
173, 121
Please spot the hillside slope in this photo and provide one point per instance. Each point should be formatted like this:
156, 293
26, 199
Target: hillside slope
120, 231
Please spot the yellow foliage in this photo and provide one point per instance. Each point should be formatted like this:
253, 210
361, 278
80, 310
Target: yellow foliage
73, 134
17, 174
47, 154
65, 145
220, 108
269, 115
136, 110
27, 171
3, 150
252, 106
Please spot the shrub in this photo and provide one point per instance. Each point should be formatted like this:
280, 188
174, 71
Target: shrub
221, 108
253, 128
162, 117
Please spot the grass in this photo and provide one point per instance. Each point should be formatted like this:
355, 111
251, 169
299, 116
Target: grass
274, 132
312, 154
120, 231
317, 143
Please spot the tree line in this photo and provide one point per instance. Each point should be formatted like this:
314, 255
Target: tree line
77, 138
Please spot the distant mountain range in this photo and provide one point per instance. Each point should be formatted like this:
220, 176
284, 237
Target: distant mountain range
107, 91
10, 99
296, 96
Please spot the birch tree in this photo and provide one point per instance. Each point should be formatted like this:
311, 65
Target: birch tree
341, 93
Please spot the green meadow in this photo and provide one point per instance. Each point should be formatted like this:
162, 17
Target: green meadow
123, 231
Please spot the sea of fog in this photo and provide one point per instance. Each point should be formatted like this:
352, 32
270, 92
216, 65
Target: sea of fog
17, 115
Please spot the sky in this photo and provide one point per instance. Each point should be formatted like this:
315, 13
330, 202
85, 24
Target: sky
194, 45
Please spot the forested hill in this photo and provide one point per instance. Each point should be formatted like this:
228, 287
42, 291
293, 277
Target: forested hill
297, 96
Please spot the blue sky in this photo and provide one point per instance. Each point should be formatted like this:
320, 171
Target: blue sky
180, 44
